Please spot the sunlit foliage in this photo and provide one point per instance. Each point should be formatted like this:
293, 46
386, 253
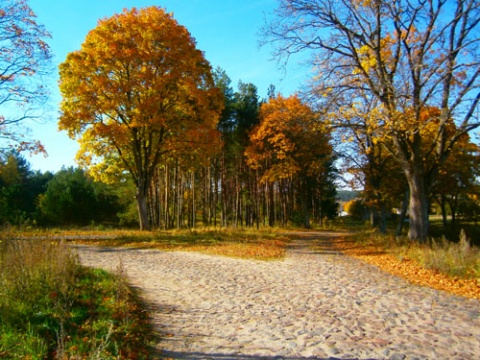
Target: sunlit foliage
137, 91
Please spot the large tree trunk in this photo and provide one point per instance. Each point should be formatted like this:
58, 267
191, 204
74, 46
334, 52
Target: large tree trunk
304, 203
403, 214
418, 206
443, 207
141, 198
453, 209
271, 205
382, 221
306, 216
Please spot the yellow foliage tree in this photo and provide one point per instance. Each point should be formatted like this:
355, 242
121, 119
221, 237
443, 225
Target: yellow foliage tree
136, 92
371, 167
409, 55
289, 140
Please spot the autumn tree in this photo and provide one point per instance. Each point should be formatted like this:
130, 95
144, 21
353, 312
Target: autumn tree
290, 143
408, 54
24, 58
136, 91
366, 160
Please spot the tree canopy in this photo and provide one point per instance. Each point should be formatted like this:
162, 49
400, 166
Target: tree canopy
291, 144
289, 141
72, 197
136, 91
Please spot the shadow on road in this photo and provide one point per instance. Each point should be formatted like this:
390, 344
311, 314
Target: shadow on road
314, 242
203, 356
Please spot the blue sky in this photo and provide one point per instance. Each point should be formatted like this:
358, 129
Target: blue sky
226, 30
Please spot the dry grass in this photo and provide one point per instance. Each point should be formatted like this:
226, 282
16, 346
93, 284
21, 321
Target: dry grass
258, 244
28, 268
454, 259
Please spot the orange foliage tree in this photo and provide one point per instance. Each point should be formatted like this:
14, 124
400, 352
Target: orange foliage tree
24, 57
137, 92
290, 143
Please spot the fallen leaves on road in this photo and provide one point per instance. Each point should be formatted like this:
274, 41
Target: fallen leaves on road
408, 268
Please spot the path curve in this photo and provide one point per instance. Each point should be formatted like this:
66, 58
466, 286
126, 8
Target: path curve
317, 305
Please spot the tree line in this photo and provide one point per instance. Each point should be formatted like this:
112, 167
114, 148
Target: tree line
69, 197
242, 184
392, 103
144, 103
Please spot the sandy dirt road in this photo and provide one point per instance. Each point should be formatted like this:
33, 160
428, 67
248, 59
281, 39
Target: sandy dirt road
313, 304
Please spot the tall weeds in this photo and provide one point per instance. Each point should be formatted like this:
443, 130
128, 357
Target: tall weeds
456, 259
460, 259
51, 307
36, 293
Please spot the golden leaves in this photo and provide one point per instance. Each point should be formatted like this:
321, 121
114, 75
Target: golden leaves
373, 56
408, 269
138, 87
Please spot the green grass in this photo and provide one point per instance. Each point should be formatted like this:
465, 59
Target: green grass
52, 308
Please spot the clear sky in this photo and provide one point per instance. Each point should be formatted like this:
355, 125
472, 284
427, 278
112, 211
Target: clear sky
226, 30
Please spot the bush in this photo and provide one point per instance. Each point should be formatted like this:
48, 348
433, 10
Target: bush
73, 198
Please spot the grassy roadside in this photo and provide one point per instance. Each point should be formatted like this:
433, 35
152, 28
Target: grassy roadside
52, 308
442, 265
244, 243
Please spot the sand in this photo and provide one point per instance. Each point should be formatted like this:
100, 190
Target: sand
314, 305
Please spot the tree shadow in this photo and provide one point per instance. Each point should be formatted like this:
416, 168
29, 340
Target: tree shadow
314, 242
213, 356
